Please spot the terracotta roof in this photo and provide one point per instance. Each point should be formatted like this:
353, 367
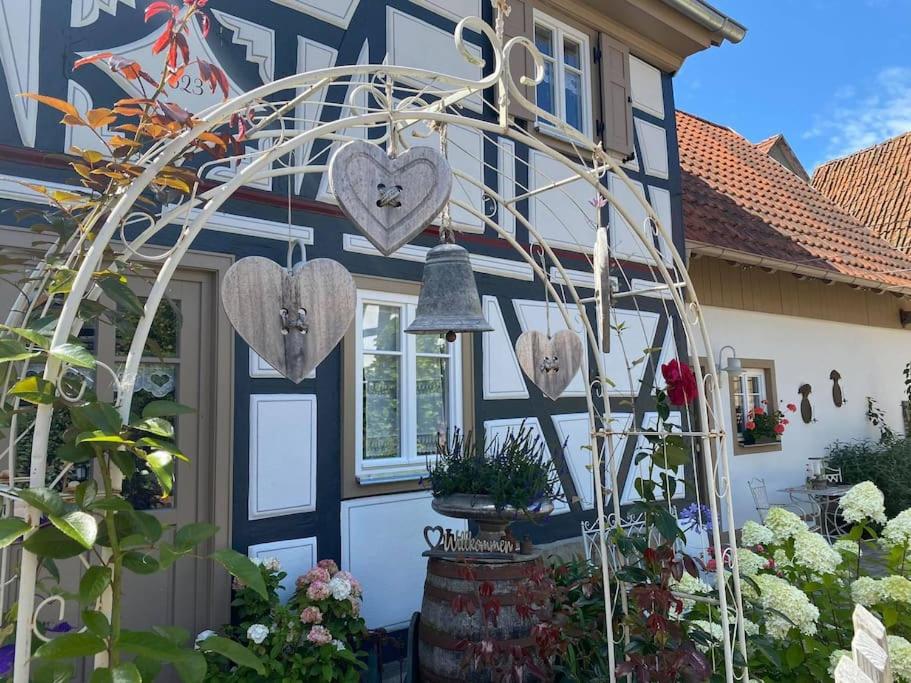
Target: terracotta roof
737, 198
766, 145
874, 185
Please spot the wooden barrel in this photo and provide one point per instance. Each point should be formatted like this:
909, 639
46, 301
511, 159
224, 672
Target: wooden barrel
442, 629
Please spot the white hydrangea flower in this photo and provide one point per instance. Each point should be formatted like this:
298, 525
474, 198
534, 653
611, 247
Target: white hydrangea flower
784, 524
846, 547
273, 564
692, 585
866, 591
896, 588
204, 635
340, 587
835, 658
339, 645
863, 501
900, 657
714, 631
749, 562
750, 628
898, 530
754, 533
813, 552
778, 597
257, 633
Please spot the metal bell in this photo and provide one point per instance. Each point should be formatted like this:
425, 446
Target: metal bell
449, 301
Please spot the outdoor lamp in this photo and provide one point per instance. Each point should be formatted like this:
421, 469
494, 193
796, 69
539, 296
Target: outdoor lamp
733, 366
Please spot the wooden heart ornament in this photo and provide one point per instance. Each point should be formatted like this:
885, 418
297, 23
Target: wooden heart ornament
293, 320
550, 363
390, 200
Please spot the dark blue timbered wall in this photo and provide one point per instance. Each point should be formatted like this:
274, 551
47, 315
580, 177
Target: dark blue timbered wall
41, 40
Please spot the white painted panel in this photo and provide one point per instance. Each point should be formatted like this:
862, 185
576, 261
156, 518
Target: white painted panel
336, 12
260, 368
615, 447
466, 154
625, 240
627, 347
85, 12
282, 454
575, 432
563, 215
296, 556
412, 42
533, 315
382, 542
645, 81
503, 377
506, 179
498, 429
650, 423
661, 202
20, 29
311, 55
653, 144
453, 9
258, 41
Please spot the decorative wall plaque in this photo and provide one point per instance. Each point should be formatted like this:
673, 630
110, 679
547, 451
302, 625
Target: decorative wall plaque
448, 543
550, 362
837, 396
806, 409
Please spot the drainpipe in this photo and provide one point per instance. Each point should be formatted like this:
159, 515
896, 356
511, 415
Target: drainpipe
708, 17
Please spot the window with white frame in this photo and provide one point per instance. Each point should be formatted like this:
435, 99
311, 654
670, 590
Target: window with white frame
565, 90
749, 393
407, 393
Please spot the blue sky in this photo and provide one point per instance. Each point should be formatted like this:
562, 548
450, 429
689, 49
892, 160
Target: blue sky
833, 75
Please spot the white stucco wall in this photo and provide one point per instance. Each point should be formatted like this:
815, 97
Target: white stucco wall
869, 359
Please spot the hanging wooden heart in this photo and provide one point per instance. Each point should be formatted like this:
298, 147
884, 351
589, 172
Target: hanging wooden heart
550, 363
601, 263
390, 199
292, 320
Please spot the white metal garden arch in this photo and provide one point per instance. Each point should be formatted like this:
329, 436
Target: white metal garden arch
381, 101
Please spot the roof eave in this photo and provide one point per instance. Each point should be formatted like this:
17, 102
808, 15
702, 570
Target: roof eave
711, 19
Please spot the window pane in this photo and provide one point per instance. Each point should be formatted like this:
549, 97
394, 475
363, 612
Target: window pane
753, 385
163, 340
382, 406
544, 40
572, 53
428, 343
380, 329
573, 99
545, 91
432, 402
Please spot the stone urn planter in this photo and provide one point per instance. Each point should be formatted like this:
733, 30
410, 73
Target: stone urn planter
492, 522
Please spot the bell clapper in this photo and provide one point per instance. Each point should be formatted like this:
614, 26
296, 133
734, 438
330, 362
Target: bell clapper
451, 336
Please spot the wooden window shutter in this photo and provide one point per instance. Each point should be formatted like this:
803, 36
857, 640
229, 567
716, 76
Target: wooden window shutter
616, 100
520, 22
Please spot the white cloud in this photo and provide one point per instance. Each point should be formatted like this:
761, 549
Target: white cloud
863, 115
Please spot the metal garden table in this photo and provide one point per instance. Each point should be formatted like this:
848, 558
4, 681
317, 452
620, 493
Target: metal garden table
824, 501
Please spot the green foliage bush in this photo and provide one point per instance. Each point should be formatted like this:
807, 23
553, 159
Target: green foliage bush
888, 465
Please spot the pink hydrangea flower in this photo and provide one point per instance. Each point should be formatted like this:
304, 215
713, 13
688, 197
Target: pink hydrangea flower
329, 565
316, 574
355, 606
318, 590
319, 635
312, 615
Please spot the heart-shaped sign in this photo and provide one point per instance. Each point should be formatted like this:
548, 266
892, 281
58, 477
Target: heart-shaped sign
390, 200
292, 320
441, 533
550, 363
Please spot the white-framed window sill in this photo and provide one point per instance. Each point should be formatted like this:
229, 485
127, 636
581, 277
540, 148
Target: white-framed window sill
555, 133
392, 475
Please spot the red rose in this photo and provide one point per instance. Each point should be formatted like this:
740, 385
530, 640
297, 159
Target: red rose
750, 426
681, 382
779, 428
711, 565
791, 407
759, 410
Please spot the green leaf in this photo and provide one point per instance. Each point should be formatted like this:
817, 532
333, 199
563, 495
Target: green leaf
155, 444
242, 567
165, 409
46, 500
71, 646
78, 525
125, 673
97, 416
148, 668
146, 524
155, 425
147, 645
191, 535
11, 528
93, 583
50, 542
140, 563
672, 454
34, 389
73, 354
162, 465
75, 453
236, 652
11, 350
99, 436
114, 503
86, 492
794, 655
890, 616
50, 671
666, 524
96, 622
191, 667
31, 335
116, 287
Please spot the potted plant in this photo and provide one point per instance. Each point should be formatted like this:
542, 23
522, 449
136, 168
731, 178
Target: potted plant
764, 425
494, 484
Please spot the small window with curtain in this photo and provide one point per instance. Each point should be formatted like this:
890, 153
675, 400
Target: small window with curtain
408, 390
565, 90
752, 401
